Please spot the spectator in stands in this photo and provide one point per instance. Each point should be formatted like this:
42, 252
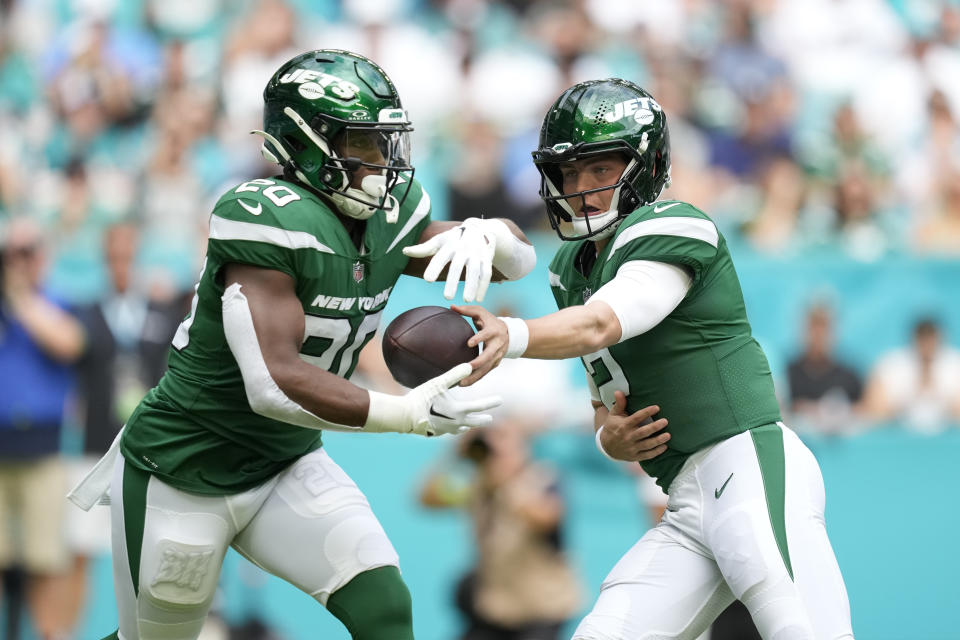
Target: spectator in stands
823, 390
940, 232
782, 191
522, 586
932, 158
128, 335
826, 152
918, 385
38, 342
762, 136
257, 44
862, 228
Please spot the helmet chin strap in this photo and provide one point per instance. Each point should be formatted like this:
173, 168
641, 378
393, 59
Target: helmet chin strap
609, 217
372, 186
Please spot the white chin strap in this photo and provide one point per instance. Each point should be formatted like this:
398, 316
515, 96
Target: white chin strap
578, 225
372, 186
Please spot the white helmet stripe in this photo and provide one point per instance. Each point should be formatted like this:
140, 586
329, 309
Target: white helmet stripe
307, 131
280, 149
276, 143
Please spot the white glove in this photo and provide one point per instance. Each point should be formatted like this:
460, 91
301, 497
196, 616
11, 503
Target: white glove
470, 245
430, 410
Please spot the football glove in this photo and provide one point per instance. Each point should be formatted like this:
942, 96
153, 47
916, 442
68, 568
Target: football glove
430, 409
478, 246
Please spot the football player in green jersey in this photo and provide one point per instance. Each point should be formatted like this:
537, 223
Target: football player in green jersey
651, 303
226, 450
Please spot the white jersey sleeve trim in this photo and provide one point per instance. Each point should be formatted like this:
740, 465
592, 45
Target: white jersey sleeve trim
643, 293
423, 208
224, 229
696, 228
266, 398
555, 281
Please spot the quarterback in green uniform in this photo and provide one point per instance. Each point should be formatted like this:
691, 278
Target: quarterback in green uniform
226, 450
651, 303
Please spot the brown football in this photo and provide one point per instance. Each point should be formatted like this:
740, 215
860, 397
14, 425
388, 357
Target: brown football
424, 342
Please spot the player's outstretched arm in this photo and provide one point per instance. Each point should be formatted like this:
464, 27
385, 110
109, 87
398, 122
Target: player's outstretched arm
568, 333
476, 251
637, 299
263, 323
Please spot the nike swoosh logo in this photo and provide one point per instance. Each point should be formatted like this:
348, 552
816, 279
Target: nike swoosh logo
718, 492
254, 210
663, 207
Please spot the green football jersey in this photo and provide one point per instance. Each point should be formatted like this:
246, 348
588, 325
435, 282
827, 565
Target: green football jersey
195, 430
701, 364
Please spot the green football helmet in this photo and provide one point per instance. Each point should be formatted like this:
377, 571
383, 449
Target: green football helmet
329, 113
600, 117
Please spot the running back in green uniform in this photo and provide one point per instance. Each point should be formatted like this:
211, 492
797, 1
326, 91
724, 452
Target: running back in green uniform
700, 365
226, 450
196, 430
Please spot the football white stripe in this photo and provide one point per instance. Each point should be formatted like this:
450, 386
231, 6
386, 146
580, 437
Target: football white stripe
696, 228
224, 229
423, 208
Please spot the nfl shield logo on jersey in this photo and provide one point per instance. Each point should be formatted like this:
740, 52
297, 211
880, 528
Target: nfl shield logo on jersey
358, 270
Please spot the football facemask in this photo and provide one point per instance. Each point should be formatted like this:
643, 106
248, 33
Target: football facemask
566, 216
368, 164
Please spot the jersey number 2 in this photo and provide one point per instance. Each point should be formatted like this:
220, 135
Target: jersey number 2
607, 375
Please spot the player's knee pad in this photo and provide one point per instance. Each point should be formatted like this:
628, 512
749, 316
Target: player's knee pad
176, 590
778, 611
748, 562
375, 605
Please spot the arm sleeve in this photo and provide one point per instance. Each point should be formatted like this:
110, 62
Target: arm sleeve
263, 394
643, 293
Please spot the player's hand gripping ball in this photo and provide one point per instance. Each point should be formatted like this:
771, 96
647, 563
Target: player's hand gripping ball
424, 342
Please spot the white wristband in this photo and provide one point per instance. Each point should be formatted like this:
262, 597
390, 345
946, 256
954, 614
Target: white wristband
519, 336
600, 445
387, 413
512, 257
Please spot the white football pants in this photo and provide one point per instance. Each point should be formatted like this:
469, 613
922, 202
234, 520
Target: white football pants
744, 520
309, 525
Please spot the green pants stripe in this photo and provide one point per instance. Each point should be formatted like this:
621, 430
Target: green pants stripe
768, 442
134, 514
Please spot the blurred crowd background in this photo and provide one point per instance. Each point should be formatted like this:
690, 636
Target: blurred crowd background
822, 136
